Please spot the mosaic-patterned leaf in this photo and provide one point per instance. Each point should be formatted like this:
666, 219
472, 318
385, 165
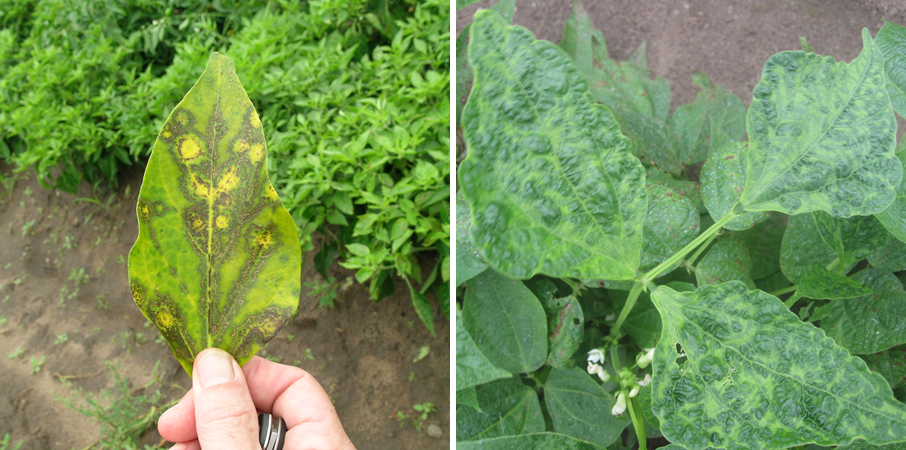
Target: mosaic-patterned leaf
894, 217
715, 118
891, 364
565, 330
217, 260
764, 242
580, 407
820, 283
672, 222
547, 196
822, 136
532, 441
870, 323
852, 238
803, 248
723, 179
891, 39
505, 408
726, 260
472, 367
736, 369
891, 256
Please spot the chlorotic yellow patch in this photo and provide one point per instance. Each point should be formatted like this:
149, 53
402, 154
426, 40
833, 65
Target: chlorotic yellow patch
271, 193
167, 132
164, 318
228, 181
241, 146
189, 147
256, 122
145, 210
256, 153
197, 225
264, 240
200, 188
222, 222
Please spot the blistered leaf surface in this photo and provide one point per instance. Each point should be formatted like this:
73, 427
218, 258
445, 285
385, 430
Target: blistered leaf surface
764, 242
723, 179
671, 223
803, 248
472, 367
754, 376
894, 217
873, 322
506, 408
534, 441
891, 40
580, 408
217, 260
822, 136
506, 321
715, 118
891, 256
820, 283
547, 197
853, 238
891, 364
726, 260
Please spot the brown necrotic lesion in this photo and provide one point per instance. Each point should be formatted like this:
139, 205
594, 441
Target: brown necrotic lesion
170, 321
257, 329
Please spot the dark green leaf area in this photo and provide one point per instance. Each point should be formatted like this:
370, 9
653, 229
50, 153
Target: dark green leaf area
764, 241
891, 364
891, 40
534, 441
852, 238
580, 408
468, 260
506, 408
755, 376
472, 367
773, 282
547, 196
820, 283
671, 223
565, 329
595, 303
643, 323
803, 247
726, 260
894, 217
891, 257
821, 136
468, 397
506, 321
870, 323
723, 179
645, 402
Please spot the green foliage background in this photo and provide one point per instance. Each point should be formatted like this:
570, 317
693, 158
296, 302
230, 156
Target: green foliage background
353, 95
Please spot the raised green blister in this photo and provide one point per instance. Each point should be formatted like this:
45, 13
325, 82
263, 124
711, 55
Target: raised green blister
217, 262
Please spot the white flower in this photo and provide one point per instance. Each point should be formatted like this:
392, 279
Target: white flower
620, 407
646, 380
634, 392
593, 368
603, 375
644, 359
595, 355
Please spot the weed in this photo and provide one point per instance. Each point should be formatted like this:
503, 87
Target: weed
102, 302
422, 410
290, 337
422, 353
28, 192
2, 320
326, 293
16, 353
411, 376
7, 266
4, 444
36, 364
69, 242
5, 299
26, 229
79, 276
121, 260
308, 355
61, 338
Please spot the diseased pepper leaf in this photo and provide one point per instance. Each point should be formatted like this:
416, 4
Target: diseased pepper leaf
547, 197
580, 407
726, 260
822, 136
822, 284
472, 366
672, 222
870, 323
891, 364
891, 40
891, 256
853, 238
764, 242
532, 441
217, 259
506, 321
723, 179
894, 217
803, 248
565, 330
749, 366
506, 409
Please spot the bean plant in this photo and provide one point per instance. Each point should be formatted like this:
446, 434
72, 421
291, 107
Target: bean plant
721, 276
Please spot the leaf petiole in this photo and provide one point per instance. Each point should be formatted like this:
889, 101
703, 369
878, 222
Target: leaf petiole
785, 290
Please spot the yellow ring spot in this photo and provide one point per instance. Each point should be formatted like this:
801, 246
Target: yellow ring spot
189, 147
256, 122
222, 222
241, 146
164, 318
256, 153
197, 225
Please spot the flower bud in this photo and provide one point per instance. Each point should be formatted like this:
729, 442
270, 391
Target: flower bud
643, 359
620, 407
596, 355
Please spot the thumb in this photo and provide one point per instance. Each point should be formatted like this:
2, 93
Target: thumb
225, 415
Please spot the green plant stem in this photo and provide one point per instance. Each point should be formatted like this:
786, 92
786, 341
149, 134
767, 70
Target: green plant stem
833, 264
785, 290
791, 301
638, 421
624, 313
615, 357
701, 249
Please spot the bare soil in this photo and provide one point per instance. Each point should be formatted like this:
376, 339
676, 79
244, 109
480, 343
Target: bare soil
362, 351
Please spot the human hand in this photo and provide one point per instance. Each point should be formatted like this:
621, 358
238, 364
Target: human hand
221, 410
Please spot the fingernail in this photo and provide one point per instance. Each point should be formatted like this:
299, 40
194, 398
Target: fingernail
215, 367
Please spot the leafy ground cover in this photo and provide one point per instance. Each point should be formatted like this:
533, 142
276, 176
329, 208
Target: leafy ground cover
618, 281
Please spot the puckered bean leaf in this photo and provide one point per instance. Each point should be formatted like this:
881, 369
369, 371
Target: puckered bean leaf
464, 75
723, 180
716, 117
751, 375
672, 222
506, 408
580, 408
803, 248
891, 364
217, 260
862, 445
533, 441
894, 217
727, 259
472, 366
822, 136
891, 256
506, 322
547, 196
820, 283
764, 242
873, 322
891, 39
565, 329
852, 238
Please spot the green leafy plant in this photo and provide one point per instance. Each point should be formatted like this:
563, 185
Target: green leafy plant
36, 364
207, 207
326, 292
4, 443
601, 287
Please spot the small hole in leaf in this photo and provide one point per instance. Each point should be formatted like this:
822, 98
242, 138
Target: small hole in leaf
576, 322
680, 355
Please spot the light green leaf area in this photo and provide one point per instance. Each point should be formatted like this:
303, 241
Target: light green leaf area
217, 259
565, 333
468, 397
853, 238
460, 4
506, 409
723, 180
464, 74
862, 445
822, 136
820, 283
547, 197
891, 256
683, 188
472, 367
894, 217
716, 118
870, 323
581, 408
891, 364
643, 323
755, 376
803, 247
672, 222
891, 40
534, 441
506, 322
726, 260
468, 261
764, 242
